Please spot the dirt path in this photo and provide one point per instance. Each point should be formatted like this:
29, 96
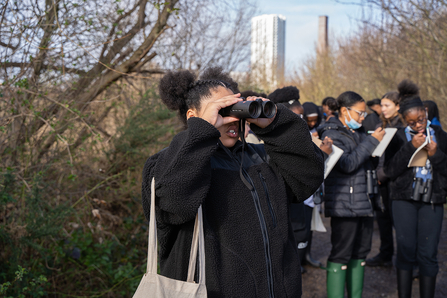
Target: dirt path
379, 281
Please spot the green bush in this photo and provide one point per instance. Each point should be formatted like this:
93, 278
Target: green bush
149, 126
29, 224
51, 242
34, 288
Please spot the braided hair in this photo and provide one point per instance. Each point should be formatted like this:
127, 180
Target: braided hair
180, 91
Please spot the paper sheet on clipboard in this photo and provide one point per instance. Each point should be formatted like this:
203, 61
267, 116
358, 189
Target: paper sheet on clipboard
330, 162
389, 134
420, 156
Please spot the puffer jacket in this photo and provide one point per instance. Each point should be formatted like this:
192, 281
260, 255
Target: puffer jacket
345, 187
397, 156
250, 250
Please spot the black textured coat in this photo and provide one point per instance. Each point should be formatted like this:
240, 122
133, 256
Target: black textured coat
249, 246
345, 187
397, 156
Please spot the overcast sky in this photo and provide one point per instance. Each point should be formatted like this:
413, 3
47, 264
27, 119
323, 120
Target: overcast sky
302, 23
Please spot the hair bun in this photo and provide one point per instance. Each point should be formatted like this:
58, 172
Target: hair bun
407, 88
174, 87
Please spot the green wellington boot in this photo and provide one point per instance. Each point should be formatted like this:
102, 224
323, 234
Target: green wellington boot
335, 282
354, 278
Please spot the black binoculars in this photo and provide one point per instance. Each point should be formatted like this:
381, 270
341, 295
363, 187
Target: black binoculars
372, 185
422, 191
250, 109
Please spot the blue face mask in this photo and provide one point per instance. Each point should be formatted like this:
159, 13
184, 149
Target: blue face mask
352, 124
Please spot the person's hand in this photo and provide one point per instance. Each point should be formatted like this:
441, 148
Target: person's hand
431, 148
261, 122
211, 110
418, 140
315, 135
326, 145
378, 134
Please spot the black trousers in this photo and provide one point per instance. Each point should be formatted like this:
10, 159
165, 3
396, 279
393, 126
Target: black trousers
418, 229
300, 217
351, 238
385, 222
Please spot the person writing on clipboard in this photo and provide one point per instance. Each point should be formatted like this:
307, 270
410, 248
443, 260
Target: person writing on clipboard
418, 192
347, 197
390, 119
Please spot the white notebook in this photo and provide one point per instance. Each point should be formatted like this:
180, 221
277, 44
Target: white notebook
389, 134
330, 162
420, 156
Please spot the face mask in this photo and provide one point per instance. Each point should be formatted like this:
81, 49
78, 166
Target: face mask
352, 124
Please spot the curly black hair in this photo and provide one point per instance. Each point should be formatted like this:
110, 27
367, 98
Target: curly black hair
407, 89
180, 91
284, 94
409, 99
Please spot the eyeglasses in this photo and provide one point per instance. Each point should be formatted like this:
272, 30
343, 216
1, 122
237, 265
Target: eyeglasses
361, 114
420, 121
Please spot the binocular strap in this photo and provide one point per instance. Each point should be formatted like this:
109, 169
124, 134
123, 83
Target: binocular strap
244, 143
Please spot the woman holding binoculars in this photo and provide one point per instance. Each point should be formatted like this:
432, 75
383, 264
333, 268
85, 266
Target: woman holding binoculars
245, 190
418, 192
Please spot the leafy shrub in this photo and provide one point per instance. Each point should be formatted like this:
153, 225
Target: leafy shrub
29, 224
68, 230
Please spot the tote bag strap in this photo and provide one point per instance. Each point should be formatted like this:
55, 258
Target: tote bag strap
152, 253
198, 243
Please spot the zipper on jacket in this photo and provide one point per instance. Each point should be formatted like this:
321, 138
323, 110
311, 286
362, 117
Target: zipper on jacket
263, 225
269, 203
265, 236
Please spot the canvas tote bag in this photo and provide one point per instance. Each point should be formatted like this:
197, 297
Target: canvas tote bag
157, 286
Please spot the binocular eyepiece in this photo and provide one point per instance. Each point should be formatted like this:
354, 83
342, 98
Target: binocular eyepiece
250, 109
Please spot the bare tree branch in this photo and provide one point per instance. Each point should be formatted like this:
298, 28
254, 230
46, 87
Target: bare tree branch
7, 45
43, 67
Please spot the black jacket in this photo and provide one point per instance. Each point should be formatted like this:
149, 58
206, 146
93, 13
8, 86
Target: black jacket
345, 187
371, 121
383, 201
395, 122
249, 246
397, 156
